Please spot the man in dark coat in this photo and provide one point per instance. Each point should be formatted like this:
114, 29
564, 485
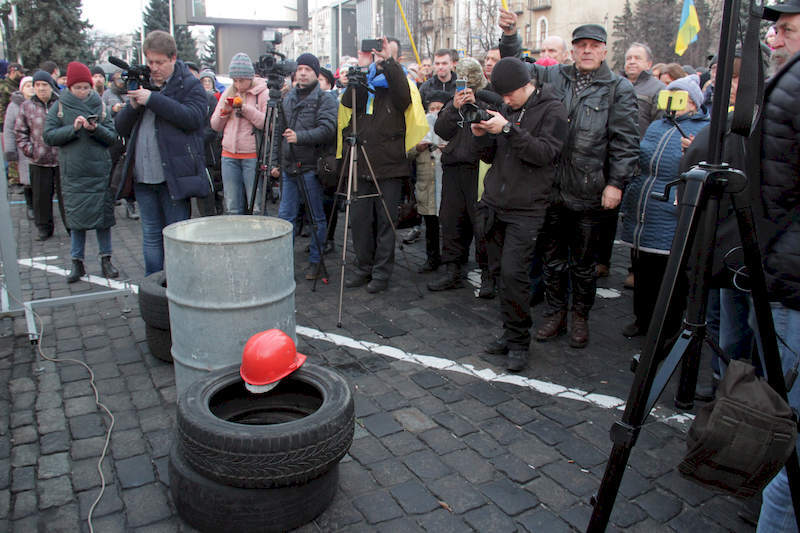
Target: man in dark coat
164, 159
780, 193
528, 135
443, 79
307, 124
598, 160
381, 130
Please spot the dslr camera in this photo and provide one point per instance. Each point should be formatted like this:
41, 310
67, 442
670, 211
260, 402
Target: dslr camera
472, 113
135, 76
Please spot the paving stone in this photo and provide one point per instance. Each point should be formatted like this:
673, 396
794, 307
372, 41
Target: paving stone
23, 478
24, 400
514, 468
509, 497
118, 402
91, 447
430, 405
85, 426
51, 420
53, 465
80, 406
339, 515
390, 472
403, 443
21, 418
114, 523
25, 525
459, 494
441, 521
390, 401
134, 471
5, 508
486, 393
502, 430
692, 493
25, 504
145, 505
659, 504
470, 465
626, 514
516, 412
109, 503
414, 498
25, 455
691, 520
377, 506
577, 516
457, 425
5, 473
633, 484
24, 435
368, 450
21, 385
485, 445
534, 452
543, 520
548, 431
160, 442
85, 476
582, 452
58, 441
571, 477
127, 443
354, 479
399, 525
155, 418
54, 492
426, 465
413, 420
490, 519
48, 400
448, 393
143, 399
364, 406
473, 410
550, 493
441, 441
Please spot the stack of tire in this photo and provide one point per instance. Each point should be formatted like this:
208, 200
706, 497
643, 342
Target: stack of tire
266, 462
154, 309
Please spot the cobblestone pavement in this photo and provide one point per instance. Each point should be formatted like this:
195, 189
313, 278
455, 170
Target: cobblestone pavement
434, 450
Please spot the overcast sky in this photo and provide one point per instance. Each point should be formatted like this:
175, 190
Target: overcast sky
113, 17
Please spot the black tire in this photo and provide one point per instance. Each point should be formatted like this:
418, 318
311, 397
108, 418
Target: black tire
211, 507
287, 436
160, 342
153, 303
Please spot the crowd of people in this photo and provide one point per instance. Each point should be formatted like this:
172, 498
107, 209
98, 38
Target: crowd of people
531, 162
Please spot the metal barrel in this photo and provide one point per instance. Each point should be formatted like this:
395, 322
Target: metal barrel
228, 277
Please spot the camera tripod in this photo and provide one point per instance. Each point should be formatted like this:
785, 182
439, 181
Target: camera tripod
350, 162
264, 149
694, 241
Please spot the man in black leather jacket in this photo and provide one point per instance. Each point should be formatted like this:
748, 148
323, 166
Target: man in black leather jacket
599, 158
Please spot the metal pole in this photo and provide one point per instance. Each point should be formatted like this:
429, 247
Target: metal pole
141, 35
339, 52
171, 20
8, 253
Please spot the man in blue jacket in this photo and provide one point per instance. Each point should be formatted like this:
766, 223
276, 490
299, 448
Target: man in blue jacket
165, 160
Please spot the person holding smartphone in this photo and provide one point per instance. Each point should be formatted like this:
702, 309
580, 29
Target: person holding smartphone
83, 130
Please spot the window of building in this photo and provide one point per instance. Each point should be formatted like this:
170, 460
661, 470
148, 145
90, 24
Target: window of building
541, 32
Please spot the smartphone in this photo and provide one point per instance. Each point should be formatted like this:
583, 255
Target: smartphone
92, 118
672, 100
368, 45
461, 84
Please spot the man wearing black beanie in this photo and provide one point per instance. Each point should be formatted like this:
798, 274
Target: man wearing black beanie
599, 159
522, 141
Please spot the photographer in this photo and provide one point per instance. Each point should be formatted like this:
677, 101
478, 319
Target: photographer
307, 124
164, 161
526, 139
460, 184
384, 105
238, 115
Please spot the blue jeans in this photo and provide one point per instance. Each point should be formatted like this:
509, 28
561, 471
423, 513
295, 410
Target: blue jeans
777, 514
78, 242
157, 211
291, 196
237, 177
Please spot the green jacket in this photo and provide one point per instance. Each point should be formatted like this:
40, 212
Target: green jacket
84, 160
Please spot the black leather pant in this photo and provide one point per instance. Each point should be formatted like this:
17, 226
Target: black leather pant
457, 215
372, 233
569, 258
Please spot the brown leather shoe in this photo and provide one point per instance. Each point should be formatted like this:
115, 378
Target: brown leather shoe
628, 284
579, 336
554, 325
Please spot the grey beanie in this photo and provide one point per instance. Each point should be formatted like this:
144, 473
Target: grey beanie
690, 84
208, 74
241, 67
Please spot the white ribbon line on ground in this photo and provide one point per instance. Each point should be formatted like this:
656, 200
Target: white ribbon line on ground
429, 361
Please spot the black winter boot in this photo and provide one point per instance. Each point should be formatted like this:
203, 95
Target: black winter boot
488, 285
109, 270
451, 279
76, 272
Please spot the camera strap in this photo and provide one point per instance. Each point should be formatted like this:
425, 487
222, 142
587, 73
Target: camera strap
749, 95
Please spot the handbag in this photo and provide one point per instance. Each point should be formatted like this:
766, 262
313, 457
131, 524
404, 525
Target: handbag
742, 439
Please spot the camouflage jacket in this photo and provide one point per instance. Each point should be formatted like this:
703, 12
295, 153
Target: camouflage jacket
7, 88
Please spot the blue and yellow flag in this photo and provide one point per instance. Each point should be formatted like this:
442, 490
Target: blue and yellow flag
689, 28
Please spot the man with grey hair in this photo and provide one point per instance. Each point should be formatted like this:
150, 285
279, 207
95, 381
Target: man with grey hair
638, 62
556, 48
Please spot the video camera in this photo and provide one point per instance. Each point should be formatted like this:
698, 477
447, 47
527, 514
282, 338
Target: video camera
473, 113
136, 76
357, 76
273, 65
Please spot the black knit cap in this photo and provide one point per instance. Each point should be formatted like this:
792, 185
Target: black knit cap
439, 96
309, 60
41, 75
328, 75
509, 74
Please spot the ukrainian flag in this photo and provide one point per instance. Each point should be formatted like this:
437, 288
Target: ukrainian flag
688, 29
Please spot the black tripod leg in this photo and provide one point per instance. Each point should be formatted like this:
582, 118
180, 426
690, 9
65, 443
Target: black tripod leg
766, 326
353, 167
625, 432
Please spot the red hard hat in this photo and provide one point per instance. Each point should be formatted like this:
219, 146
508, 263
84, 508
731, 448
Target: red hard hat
268, 357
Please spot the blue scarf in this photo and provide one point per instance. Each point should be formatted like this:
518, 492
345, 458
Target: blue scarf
374, 80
